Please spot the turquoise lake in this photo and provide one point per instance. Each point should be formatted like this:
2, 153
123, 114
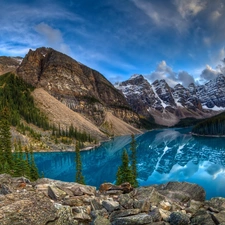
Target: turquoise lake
162, 156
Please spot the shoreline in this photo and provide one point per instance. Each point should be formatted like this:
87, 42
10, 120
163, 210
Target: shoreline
213, 136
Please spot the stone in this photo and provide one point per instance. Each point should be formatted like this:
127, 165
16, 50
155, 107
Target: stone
107, 187
95, 204
165, 205
81, 213
75, 201
101, 221
178, 218
126, 201
219, 218
155, 214
201, 217
139, 219
124, 213
103, 213
193, 191
165, 214
110, 205
217, 203
55, 193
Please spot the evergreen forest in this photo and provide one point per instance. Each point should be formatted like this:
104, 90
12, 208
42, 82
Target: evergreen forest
212, 126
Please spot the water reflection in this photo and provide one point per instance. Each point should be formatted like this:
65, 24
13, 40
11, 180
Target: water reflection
162, 156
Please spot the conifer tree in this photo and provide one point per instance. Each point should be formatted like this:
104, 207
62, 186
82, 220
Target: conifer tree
133, 160
5, 140
79, 176
124, 173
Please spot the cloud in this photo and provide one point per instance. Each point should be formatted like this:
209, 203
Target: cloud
53, 37
190, 7
209, 74
163, 71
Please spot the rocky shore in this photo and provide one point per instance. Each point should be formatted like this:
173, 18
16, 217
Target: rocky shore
51, 202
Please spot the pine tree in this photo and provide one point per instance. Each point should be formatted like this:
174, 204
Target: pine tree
133, 160
79, 176
33, 168
5, 140
124, 173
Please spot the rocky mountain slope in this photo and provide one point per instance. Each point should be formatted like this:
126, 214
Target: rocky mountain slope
79, 87
8, 64
168, 105
51, 202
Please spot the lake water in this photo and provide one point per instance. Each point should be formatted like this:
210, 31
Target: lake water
162, 156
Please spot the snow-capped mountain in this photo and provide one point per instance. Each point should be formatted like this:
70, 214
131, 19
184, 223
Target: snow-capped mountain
168, 105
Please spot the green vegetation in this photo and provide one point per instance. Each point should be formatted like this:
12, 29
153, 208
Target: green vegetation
15, 94
133, 161
212, 126
79, 177
15, 164
127, 172
124, 173
188, 122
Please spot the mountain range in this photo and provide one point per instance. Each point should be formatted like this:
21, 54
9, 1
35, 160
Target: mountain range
69, 92
168, 105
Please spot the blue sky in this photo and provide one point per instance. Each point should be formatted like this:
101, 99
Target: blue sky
177, 40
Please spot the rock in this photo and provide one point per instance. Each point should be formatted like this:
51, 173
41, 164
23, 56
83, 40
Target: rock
165, 214
124, 213
4, 190
81, 213
95, 204
138, 219
56, 193
165, 205
155, 214
102, 213
217, 203
178, 218
28, 208
219, 218
193, 191
75, 201
110, 205
101, 221
107, 187
126, 201
201, 217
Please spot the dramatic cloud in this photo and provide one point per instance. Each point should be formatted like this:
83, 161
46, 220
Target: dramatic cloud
190, 7
163, 71
209, 74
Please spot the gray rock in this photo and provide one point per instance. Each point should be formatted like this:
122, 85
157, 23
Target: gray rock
101, 221
202, 218
139, 219
219, 218
110, 205
178, 218
217, 203
126, 201
155, 214
124, 213
101, 213
55, 193
193, 191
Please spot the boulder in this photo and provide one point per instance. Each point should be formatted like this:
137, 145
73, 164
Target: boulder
55, 193
109, 187
178, 218
139, 219
219, 218
124, 213
110, 205
202, 217
191, 191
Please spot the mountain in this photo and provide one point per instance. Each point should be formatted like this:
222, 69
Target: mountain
168, 105
79, 87
8, 64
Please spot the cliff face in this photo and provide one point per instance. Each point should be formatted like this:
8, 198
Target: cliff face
79, 87
8, 64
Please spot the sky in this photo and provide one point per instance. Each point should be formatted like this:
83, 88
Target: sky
181, 41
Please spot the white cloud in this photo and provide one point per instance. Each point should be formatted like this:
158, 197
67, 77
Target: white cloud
163, 71
190, 7
53, 37
209, 73
215, 15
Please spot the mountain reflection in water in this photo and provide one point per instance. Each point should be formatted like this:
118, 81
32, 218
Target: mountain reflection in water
162, 156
